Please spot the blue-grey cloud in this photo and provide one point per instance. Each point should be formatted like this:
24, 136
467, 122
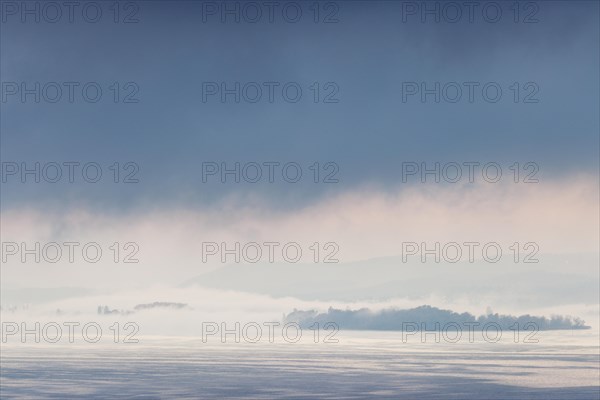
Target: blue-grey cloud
369, 133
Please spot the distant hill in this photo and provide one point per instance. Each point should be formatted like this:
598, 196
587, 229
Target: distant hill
556, 280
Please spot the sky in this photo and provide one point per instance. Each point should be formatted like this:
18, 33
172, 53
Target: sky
367, 127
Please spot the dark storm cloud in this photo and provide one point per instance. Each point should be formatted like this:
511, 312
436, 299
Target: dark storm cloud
369, 55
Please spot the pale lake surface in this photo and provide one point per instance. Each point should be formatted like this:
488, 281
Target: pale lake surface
363, 365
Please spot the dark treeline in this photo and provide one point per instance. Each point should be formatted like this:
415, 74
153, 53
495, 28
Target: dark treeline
394, 319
